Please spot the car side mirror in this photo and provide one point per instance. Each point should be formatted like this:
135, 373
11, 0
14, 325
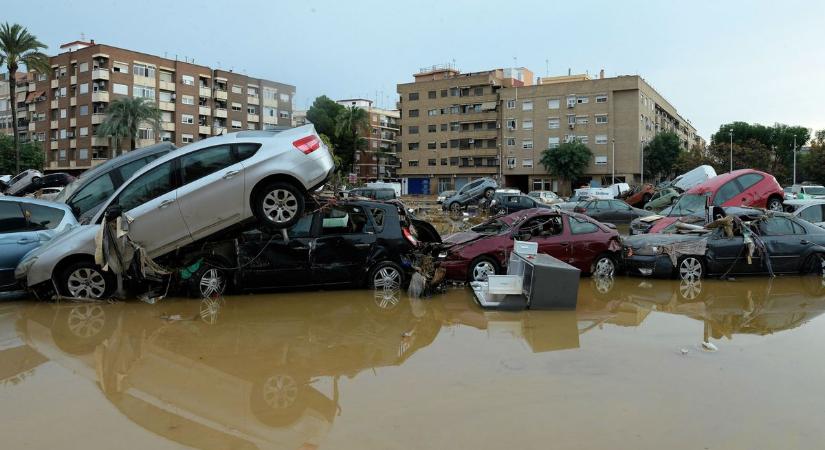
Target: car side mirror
113, 212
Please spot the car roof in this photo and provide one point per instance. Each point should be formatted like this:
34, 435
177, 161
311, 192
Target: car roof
126, 159
805, 202
716, 182
35, 201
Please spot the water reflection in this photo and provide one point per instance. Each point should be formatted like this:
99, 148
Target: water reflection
266, 371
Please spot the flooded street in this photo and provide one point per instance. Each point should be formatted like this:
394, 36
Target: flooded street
352, 370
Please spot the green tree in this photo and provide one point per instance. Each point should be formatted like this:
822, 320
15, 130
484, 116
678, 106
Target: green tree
694, 157
751, 154
18, 49
568, 161
324, 114
661, 154
812, 165
31, 155
350, 125
124, 117
776, 141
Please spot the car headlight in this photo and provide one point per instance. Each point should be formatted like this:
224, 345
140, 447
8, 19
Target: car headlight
649, 250
442, 255
24, 266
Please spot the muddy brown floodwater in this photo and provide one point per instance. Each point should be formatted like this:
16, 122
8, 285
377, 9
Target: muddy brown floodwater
352, 370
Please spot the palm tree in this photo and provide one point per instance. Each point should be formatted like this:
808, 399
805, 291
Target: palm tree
124, 117
349, 126
20, 48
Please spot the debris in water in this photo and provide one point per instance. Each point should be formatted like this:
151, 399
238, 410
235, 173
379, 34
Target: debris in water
406, 334
684, 351
709, 346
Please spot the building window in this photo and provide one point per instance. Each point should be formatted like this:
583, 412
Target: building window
413, 163
601, 98
553, 103
571, 101
62, 155
83, 153
413, 96
582, 120
431, 128
236, 89
454, 126
166, 116
431, 94
413, 129
187, 138
444, 127
62, 113
581, 100
431, 145
511, 162
553, 142
187, 99
146, 133
511, 124
444, 93
166, 76
553, 123
433, 112
188, 80
251, 110
84, 131
84, 110
511, 141
527, 106
143, 70
120, 67
164, 96
583, 139
511, 104
84, 88
270, 94
63, 92
527, 125
602, 118
571, 119
412, 146
143, 91
251, 91
527, 163
284, 97
187, 118
431, 162
527, 144
413, 113
601, 160
269, 111
84, 67
236, 124
166, 136
236, 106
601, 139
283, 114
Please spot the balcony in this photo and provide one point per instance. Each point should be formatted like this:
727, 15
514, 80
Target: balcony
100, 74
32, 107
253, 100
32, 87
100, 96
273, 102
32, 126
53, 104
72, 143
53, 125
98, 141
166, 106
166, 85
73, 101
73, 80
220, 95
167, 126
220, 112
202, 129
97, 118
53, 84
145, 142
53, 145
252, 118
144, 81
72, 122
205, 92
271, 120
204, 111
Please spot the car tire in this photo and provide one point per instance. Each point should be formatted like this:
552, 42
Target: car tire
488, 193
775, 204
815, 265
691, 268
481, 267
35, 180
646, 198
84, 279
604, 266
386, 275
455, 207
279, 205
208, 281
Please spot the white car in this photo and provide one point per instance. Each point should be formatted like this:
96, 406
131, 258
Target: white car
812, 210
22, 180
187, 195
48, 193
546, 197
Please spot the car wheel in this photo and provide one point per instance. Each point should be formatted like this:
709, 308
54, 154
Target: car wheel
691, 268
278, 399
455, 207
603, 267
690, 289
35, 180
815, 264
488, 193
646, 198
387, 276
279, 205
208, 281
85, 280
775, 204
481, 268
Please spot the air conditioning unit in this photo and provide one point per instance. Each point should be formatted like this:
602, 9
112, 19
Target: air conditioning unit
571, 105
70, 134
471, 141
173, 96
571, 125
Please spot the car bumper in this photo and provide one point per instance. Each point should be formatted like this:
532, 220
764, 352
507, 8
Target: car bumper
318, 169
658, 266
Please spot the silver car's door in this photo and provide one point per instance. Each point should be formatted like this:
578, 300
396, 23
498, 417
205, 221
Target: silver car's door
16, 239
212, 190
150, 200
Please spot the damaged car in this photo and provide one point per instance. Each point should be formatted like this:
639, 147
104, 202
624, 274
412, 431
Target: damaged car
578, 240
185, 196
774, 243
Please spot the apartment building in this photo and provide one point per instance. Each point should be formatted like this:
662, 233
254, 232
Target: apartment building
450, 126
379, 160
612, 116
63, 108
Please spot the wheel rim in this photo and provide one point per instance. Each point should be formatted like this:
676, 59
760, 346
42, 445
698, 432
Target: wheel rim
280, 205
86, 283
211, 283
86, 321
690, 269
387, 299
690, 289
482, 270
775, 205
604, 267
387, 278
489, 193
455, 207
603, 284
210, 307
280, 391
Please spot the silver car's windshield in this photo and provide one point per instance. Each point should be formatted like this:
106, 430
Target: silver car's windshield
689, 205
815, 190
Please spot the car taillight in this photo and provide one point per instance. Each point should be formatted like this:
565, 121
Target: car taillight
308, 144
408, 236
578, 209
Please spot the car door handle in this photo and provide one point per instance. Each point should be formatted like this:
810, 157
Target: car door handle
362, 245
25, 241
166, 203
564, 244
230, 174
804, 242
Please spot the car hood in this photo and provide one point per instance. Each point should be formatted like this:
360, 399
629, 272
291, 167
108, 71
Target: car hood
642, 240
67, 234
462, 237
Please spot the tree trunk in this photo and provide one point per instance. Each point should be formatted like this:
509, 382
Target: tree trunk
13, 101
134, 143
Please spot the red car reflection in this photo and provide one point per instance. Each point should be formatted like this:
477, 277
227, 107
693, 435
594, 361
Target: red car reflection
576, 239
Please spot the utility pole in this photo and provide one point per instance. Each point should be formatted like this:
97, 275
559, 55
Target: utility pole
643, 163
613, 163
730, 131
794, 159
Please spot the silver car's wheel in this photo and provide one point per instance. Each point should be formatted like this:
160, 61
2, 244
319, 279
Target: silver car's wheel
212, 282
280, 205
483, 269
455, 207
86, 321
603, 267
386, 278
280, 391
775, 204
691, 269
86, 282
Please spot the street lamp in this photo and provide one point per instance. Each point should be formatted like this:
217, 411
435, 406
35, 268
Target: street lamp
730, 131
794, 159
643, 163
613, 163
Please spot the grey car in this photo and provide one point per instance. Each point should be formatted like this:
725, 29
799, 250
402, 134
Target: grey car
85, 194
482, 188
25, 224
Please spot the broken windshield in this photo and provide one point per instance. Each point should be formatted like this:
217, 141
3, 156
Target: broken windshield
689, 205
494, 226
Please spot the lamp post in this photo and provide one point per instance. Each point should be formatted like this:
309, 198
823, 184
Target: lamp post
643, 163
613, 163
794, 159
730, 131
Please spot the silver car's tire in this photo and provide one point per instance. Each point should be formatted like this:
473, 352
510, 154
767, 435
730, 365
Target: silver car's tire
691, 268
85, 280
481, 268
775, 204
279, 204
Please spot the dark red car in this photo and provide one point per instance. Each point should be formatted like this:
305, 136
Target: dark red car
576, 239
745, 187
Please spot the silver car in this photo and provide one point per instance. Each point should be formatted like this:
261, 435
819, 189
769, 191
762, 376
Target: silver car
25, 224
189, 194
22, 180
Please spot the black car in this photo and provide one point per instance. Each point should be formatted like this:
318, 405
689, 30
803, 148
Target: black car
47, 181
613, 211
793, 246
373, 193
503, 203
349, 243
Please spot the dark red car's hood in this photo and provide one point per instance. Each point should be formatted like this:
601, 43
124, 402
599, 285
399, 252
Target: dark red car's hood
463, 237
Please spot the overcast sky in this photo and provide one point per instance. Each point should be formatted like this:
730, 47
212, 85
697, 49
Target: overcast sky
716, 61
